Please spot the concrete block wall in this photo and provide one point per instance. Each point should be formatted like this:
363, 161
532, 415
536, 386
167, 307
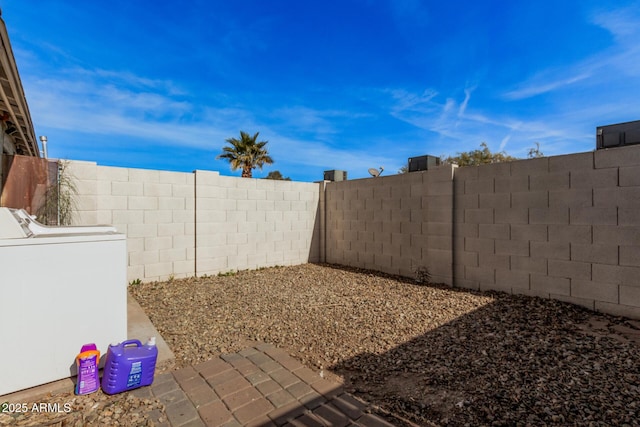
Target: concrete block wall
396, 224
563, 227
155, 209
185, 224
251, 223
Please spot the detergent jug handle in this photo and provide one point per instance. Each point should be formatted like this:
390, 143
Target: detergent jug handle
126, 343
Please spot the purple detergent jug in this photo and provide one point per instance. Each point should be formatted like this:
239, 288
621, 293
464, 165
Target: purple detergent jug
87, 362
129, 365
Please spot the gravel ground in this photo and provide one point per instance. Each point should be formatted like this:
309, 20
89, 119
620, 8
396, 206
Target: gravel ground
95, 409
425, 354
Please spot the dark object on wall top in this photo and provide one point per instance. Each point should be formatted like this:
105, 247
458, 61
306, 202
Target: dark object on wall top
335, 175
423, 163
618, 135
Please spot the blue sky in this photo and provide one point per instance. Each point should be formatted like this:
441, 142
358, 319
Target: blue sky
348, 84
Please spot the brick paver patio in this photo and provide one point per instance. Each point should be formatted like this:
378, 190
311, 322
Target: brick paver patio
259, 386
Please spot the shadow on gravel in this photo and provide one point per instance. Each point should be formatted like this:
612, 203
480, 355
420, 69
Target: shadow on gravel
517, 360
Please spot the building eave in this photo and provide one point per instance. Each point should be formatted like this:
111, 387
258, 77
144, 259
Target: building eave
14, 109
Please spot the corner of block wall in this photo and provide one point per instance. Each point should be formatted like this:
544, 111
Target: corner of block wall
442, 173
205, 177
82, 170
466, 173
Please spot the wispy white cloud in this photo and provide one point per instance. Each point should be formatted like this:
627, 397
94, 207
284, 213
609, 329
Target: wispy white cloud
449, 106
621, 57
583, 95
622, 23
124, 107
131, 80
406, 100
504, 142
85, 107
316, 153
426, 111
305, 119
543, 83
465, 102
84, 101
460, 132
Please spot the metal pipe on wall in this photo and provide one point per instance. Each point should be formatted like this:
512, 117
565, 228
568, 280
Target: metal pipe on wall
43, 139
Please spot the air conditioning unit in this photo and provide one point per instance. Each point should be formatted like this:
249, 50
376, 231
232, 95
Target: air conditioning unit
618, 135
423, 163
335, 175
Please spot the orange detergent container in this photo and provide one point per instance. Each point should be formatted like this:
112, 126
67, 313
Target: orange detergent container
129, 365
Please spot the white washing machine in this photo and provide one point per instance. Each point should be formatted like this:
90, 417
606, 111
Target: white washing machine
60, 288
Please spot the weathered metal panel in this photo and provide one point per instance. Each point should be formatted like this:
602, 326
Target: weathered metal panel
25, 182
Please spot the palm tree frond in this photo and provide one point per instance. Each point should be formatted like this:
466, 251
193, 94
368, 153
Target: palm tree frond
246, 153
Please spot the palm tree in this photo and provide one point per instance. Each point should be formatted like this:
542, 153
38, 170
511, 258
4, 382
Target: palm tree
246, 153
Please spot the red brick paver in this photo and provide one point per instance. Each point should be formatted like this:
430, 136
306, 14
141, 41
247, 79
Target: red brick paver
215, 413
257, 409
212, 367
243, 397
268, 387
258, 386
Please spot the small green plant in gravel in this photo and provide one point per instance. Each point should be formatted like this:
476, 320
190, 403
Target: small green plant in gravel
227, 273
423, 276
135, 282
